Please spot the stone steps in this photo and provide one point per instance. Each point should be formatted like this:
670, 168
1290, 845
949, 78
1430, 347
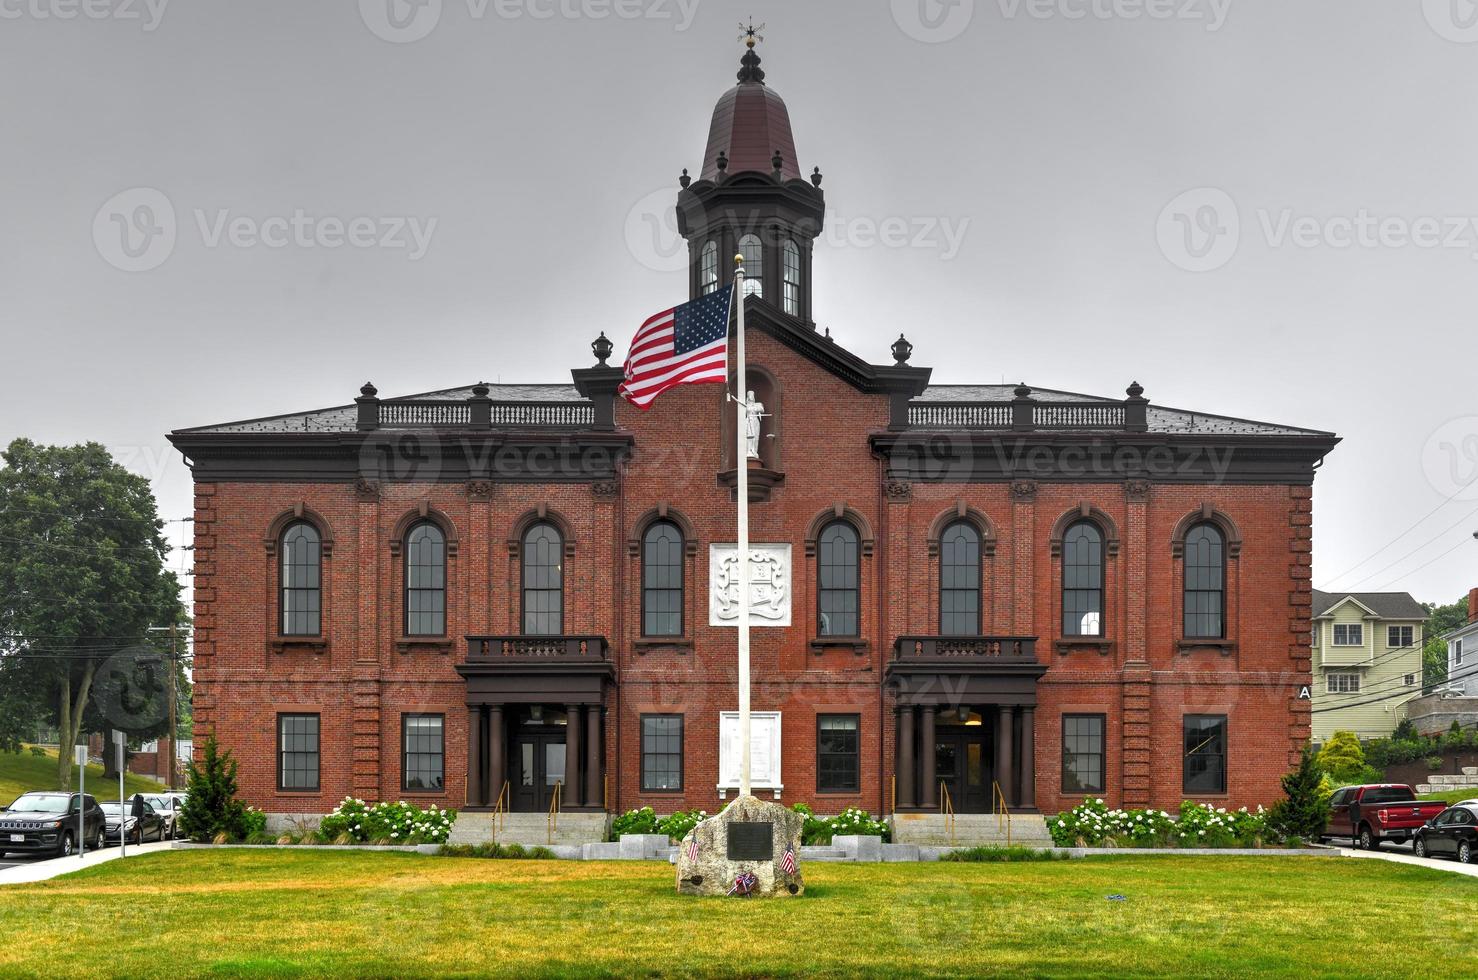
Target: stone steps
970, 829
530, 829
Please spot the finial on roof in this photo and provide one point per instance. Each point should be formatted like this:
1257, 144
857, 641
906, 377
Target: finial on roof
777, 161
749, 65
601, 347
1022, 391
1134, 390
902, 350
722, 163
480, 390
684, 180
368, 390
816, 176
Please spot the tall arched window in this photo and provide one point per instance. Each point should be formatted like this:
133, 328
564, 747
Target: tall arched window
754, 265
543, 581
791, 278
1082, 580
425, 580
708, 268
1205, 582
662, 580
302, 580
959, 580
838, 600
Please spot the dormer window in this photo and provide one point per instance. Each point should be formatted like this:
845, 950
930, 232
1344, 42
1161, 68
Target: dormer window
708, 269
753, 254
792, 278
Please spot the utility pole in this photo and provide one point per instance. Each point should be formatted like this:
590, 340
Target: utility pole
174, 725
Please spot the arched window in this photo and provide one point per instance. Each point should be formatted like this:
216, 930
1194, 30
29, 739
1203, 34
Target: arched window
1082, 580
791, 279
959, 580
1205, 582
754, 265
302, 580
543, 581
838, 600
425, 580
662, 580
708, 268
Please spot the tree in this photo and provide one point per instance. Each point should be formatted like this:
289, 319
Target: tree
211, 806
1342, 757
1444, 619
82, 578
1306, 810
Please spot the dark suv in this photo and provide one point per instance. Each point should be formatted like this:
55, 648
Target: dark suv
47, 822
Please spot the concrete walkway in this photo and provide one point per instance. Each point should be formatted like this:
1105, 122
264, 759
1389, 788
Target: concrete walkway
1437, 864
54, 867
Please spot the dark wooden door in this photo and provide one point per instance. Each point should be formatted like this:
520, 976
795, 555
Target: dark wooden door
962, 763
536, 763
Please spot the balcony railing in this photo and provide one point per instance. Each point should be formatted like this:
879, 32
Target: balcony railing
476, 411
956, 649
497, 649
1023, 413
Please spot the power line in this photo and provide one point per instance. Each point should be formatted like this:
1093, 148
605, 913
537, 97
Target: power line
1413, 551
1339, 707
1424, 564
1450, 498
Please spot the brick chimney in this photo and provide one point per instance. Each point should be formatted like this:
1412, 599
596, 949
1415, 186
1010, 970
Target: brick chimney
1472, 605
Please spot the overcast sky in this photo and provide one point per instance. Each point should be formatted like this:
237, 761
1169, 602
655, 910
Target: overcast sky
1253, 207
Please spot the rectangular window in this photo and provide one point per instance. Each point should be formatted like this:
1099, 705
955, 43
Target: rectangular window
1410, 680
422, 753
661, 752
1349, 635
1314, 635
1082, 754
297, 752
1342, 683
1457, 651
1205, 740
1398, 637
838, 754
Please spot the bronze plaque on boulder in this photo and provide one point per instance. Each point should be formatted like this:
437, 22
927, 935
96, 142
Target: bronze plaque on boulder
752, 841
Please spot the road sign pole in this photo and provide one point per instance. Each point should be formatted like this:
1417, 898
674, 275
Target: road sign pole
122, 837
81, 752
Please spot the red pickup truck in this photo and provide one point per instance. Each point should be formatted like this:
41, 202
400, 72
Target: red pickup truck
1378, 812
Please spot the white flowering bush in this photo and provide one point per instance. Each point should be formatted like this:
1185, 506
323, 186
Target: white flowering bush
1093, 824
820, 830
395, 823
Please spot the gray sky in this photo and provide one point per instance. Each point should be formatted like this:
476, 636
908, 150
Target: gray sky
1035, 182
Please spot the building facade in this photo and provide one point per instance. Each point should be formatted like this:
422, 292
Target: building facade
489, 595
1367, 661
1462, 653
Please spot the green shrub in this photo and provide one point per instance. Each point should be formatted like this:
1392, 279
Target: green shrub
1092, 824
643, 821
253, 821
1435, 763
211, 810
387, 823
1306, 810
820, 830
676, 827
38, 751
1343, 757
496, 851
260, 837
997, 853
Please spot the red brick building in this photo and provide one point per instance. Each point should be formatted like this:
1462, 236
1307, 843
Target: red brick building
487, 591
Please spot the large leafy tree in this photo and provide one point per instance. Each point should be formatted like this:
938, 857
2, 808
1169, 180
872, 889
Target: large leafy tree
82, 580
1444, 620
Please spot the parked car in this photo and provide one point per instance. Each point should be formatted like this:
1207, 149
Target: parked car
134, 820
1452, 832
167, 805
47, 823
1377, 812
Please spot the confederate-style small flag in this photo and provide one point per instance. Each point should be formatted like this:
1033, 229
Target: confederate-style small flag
687, 344
787, 863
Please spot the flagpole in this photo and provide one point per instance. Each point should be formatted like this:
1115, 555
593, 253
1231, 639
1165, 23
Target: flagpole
741, 488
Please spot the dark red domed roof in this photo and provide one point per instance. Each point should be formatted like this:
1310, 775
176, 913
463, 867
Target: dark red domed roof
750, 123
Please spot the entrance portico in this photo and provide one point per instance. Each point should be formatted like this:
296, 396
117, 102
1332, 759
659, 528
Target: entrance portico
966, 720
534, 721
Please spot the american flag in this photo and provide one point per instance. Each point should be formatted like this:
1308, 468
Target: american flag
787, 863
693, 847
688, 344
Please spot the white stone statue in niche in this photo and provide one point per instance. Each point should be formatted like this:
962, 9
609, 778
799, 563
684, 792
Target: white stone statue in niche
754, 414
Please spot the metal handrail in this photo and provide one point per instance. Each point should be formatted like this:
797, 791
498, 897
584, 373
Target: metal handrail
947, 808
554, 810
500, 810
1004, 813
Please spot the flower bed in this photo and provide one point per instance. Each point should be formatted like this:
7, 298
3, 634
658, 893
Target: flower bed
1197, 825
355, 821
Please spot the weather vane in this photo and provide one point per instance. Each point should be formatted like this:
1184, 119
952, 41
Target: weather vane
751, 34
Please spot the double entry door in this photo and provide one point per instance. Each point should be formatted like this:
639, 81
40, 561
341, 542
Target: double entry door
536, 764
962, 764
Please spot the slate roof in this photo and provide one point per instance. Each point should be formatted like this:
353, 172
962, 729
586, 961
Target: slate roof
1161, 418
1386, 605
342, 418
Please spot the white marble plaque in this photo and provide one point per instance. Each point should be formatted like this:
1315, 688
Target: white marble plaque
764, 750
769, 585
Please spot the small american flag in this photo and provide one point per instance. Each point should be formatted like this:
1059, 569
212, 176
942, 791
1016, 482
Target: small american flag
692, 849
787, 863
687, 344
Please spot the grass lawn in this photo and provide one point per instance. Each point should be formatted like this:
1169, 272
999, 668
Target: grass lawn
1451, 795
24, 772
240, 912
